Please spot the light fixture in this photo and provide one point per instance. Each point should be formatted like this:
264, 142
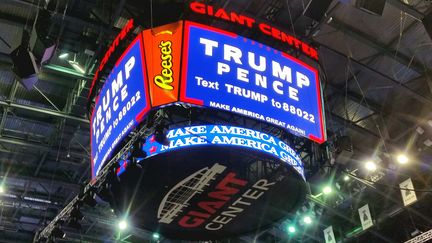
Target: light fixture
327, 190
137, 151
291, 229
122, 225
402, 159
64, 55
346, 178
307, 220
76, 213
77, 66
156, 236
90, 200
2, 189
370, 165
58, 233
160, 135
73, 223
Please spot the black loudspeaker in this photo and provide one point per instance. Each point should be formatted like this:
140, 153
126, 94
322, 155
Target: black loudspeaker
427, 22
43, 50
25, 66
375, 7
41, 45
316, 9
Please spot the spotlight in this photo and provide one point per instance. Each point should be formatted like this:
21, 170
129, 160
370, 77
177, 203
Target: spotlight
122, 225
402, 159
291, 229
58, 233
156, 236
73, 223
370, 165
77, 66
307, 220
2, 189
90, 200
137, 151
76, 214
160, 135
64, 55
346, 178
327, 190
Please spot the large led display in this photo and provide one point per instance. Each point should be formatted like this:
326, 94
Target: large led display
225, 71
121, 105
218, 69
186, 137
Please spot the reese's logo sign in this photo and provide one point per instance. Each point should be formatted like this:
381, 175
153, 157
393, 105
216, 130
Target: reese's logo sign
165, 79
162, 54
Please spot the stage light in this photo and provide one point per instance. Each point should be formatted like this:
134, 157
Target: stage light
2, 189
402, 159
307, 219
137, 151
77, 66
327, 190
291, 229
156, 236
122, 225
370, 165
160, 135
64, 55
76, 214
58, 233
73, 223
346, 178
90, 200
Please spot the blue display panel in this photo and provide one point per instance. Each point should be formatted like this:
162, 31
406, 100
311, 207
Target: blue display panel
122, 103
205, 135
225, 71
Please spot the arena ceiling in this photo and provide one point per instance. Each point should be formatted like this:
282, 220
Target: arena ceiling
377, 84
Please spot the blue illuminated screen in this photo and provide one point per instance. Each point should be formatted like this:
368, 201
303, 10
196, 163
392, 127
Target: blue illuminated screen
121, 104
205, 135
225, 71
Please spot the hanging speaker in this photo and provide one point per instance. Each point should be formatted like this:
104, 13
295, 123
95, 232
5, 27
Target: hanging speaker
41, 45
375, 7
427, 22
24, 66
316, 9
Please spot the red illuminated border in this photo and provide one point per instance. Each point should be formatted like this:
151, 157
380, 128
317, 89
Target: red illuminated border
318, 90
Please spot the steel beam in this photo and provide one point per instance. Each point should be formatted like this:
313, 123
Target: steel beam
43, 111
69, 185
407, 9
372, 42
397, 84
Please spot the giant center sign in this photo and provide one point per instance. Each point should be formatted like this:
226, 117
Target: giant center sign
212, 182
